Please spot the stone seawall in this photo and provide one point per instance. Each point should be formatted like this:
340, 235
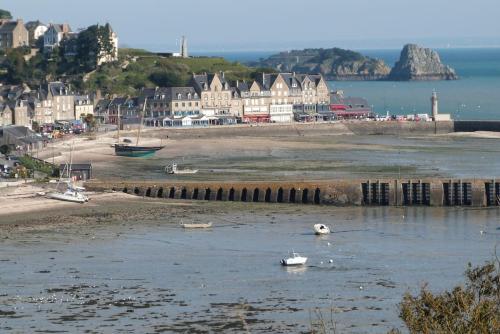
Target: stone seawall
325, 129
305, 129
400, 128
423, 192
472, 126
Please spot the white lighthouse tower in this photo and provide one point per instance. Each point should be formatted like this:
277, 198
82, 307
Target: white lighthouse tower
435, 106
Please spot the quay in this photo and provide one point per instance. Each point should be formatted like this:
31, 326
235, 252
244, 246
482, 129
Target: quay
372, 192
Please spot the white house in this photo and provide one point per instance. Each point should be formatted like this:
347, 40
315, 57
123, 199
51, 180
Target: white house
113, 57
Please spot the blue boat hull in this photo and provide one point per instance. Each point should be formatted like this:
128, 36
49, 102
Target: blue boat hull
136, 151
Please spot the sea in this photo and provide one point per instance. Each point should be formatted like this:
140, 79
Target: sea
475, 96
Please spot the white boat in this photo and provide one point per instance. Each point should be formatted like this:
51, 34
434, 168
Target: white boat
294, 260
197, 225
320, 229
69, 195
73, 193
173, 169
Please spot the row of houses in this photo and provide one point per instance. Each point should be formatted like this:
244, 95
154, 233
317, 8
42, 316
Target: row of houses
212, 99
15, 34
55, 101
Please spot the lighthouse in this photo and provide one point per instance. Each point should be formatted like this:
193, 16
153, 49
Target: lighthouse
435, 107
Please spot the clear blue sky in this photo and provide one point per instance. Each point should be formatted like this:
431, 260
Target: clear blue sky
228, 25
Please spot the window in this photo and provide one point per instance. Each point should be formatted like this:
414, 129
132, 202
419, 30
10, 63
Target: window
176, 104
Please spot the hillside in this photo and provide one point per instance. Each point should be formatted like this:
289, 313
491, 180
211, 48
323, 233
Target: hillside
334, 64
139, 68
134, 70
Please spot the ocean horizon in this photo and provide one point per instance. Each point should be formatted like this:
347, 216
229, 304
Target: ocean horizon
473, 97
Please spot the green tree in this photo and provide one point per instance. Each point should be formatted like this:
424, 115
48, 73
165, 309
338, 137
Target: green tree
16, 68
5, 14
93, 43
473, 308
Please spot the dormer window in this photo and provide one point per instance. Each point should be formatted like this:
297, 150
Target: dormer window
179, 96
189, 96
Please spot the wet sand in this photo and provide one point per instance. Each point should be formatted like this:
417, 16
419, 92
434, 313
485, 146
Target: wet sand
292, 155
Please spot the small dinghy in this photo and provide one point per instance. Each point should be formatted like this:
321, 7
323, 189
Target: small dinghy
294, 260
321, 229
197, 225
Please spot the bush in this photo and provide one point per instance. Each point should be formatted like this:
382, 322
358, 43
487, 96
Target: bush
474, 308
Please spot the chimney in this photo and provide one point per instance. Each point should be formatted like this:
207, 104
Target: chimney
263, 79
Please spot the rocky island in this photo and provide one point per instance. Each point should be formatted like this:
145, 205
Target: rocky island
334, 64
415, 63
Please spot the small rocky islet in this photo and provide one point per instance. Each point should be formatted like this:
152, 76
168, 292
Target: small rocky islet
415, 64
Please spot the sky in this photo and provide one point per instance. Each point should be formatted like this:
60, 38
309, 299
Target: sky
271, 25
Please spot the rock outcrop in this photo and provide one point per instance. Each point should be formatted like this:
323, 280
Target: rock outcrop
334, 64
417, 63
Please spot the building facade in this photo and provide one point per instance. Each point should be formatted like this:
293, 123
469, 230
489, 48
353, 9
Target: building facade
83, 106
36, 29
13, 34
54, 35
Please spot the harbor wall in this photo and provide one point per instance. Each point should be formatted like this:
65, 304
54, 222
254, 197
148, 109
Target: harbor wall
377, 192
324, 129
472, 126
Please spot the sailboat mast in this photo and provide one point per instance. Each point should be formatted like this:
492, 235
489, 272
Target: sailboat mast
140, 121
118, 122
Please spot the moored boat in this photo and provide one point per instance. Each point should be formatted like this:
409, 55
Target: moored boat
136, 151
69, 195
320, 229
294, 260
173, 169
197, 225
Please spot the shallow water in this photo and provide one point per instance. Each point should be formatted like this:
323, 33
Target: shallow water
154, 276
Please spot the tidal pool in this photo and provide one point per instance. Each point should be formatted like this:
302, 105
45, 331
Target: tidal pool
153, 276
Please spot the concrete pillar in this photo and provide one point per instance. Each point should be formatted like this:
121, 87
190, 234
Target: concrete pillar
478, 193
437, 193
395, 192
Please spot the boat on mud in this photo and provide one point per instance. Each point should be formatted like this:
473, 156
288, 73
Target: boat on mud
73, 193
136, 151
295, 260
196, 225
321, 229
127, 150
174, 169
70, 195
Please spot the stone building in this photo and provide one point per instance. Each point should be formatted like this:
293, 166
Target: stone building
22, 113
63, 101
5, 114
13, 34
216, 96
255, 99
83, 106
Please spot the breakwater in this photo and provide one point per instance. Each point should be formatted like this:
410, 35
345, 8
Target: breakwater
374, 192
